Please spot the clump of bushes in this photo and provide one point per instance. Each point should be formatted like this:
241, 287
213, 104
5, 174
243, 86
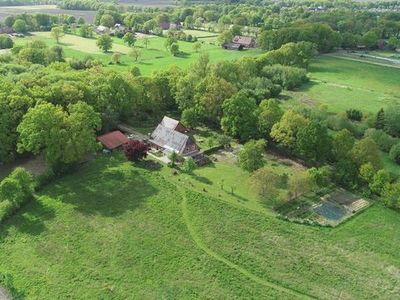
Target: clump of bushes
286, 76
15, 190
384, 141
86, 63
354, 115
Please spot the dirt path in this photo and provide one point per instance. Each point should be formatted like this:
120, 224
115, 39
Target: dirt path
363, 61
200, 244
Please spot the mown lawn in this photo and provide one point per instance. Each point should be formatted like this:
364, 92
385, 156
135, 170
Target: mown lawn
342, 84
116, 231
154, 57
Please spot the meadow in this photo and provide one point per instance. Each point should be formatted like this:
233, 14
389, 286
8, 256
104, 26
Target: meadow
342, 84
5, 11
110, 230
154, 57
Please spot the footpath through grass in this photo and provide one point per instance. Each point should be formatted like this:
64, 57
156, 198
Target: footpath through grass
115, 230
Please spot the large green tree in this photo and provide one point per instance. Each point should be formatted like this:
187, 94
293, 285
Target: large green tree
240, 117
366, 151
61, 136
270, 113
250, 157
342, 143
313, 142
285, 131
104, 42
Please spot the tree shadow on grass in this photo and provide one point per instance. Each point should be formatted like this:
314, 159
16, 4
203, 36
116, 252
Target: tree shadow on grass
109, 191
202, 179
64, 44
307, 86
183, 55
29, 219
148, 165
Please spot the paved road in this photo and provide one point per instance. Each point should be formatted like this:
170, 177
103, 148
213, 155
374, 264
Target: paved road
3, 295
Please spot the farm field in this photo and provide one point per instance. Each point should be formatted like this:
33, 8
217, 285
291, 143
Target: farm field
155, 57
48, 9
111, 229
342, 84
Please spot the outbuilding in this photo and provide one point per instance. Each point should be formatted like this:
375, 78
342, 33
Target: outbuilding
112, 140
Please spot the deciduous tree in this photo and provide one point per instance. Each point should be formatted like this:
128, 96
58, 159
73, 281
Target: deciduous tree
250, 157
135, 150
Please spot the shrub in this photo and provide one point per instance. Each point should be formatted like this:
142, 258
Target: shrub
6, 42
384, 141
286, 76
189, 165
394, 153
135, 150
354, 114
15, 189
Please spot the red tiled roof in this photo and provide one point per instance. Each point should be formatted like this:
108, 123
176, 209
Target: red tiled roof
112, 139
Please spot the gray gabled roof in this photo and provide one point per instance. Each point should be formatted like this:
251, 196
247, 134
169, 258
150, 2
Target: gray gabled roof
243, 40
168, 138
169, 123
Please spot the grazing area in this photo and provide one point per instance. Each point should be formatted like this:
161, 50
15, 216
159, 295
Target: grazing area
113, 222
342, 84
48, 9
151, 58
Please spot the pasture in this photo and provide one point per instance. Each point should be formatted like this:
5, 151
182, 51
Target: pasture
118, 230
154, 57
343, 84
5, 11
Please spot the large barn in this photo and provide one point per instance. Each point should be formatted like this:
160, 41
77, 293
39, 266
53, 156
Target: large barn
170, 135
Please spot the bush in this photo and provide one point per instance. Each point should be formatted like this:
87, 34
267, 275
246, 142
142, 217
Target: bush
189, 165
354, 115
287, 77
6, 42
15, 190
384, 141
135, 150
394, 153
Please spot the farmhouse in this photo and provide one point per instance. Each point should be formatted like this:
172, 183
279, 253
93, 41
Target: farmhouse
101, 29
170, 135
112, 140
245, 41
232, 46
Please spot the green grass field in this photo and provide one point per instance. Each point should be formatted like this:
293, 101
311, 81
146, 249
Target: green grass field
116, 231
343, 84
155, 57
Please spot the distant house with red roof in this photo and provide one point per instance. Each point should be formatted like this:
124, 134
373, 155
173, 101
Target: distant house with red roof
112, 140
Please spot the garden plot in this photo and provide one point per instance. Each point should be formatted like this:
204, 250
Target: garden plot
328, 210
338, 206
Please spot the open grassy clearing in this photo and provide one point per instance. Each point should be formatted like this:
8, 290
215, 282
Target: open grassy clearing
155, 57
349, 262
114, 230
342, 84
